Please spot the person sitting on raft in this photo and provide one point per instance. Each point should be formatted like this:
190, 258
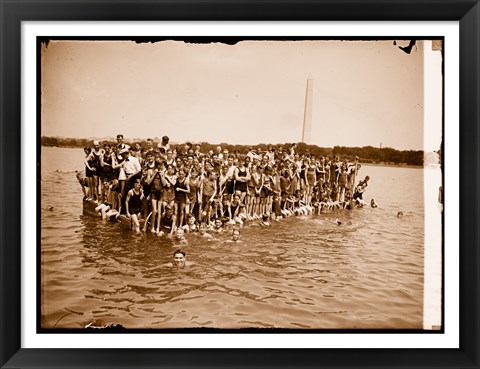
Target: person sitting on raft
167, 222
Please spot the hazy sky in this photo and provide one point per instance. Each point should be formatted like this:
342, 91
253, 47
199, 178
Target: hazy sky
364, 92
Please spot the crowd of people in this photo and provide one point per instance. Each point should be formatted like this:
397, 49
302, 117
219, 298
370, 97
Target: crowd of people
184, 188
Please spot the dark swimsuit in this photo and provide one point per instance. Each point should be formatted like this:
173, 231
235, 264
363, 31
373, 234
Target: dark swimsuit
181, 196
233, 208
95, 163
241, 186
135, 203
156, 187
107, 171
166, 224
88, 172
194, 185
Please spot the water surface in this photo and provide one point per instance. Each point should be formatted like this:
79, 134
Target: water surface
305, 272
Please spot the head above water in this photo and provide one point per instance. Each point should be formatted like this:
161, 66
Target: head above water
179, 258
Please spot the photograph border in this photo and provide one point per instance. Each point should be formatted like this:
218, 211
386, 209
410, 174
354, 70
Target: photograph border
12, 15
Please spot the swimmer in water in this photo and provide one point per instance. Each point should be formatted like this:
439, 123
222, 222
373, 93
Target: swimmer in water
218, 226
399, 214
235, 236
202, 230
373, 204
179, 261
180, 236
191, 225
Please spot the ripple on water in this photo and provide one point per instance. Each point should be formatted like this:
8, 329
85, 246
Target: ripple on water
301, 273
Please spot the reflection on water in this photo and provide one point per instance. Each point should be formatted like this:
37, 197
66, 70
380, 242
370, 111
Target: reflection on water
303, 272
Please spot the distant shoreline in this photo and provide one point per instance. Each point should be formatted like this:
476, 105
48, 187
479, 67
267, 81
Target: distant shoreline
393, 165
363, 163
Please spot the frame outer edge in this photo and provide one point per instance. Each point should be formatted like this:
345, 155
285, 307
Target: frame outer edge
10, 139
10, 194
239, 10
470, 184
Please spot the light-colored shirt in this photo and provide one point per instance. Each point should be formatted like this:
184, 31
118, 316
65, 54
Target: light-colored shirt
252, 155
131, 165
231, 171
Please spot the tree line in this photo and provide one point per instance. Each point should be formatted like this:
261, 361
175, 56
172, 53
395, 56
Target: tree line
367, 154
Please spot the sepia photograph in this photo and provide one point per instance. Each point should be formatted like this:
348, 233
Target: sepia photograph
240, 184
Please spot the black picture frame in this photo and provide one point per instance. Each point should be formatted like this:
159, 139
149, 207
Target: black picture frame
467, 12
